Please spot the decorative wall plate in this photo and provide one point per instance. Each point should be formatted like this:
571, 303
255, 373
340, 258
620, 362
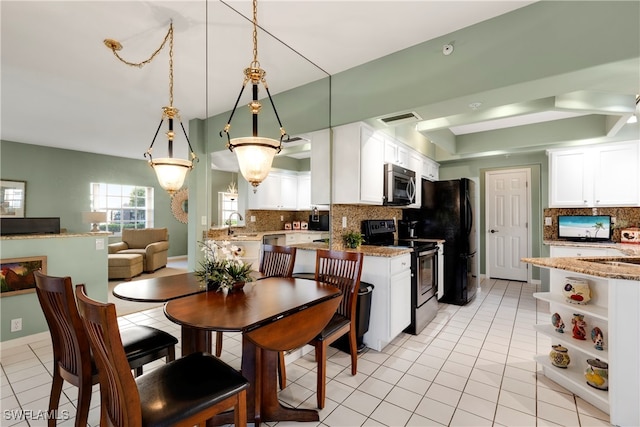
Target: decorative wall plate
180, 205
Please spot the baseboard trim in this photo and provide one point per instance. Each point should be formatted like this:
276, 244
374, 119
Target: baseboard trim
29, 339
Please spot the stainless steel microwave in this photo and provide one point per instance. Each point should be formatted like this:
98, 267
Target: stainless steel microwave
399, 185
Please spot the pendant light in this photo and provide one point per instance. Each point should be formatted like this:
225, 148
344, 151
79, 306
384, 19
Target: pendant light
255, 154
170, 171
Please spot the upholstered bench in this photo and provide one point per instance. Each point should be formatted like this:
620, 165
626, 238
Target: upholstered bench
124, 266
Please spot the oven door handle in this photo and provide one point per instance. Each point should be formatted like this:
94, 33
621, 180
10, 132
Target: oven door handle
433, 251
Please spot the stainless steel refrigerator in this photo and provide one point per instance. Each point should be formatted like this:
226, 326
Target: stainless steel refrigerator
448, 212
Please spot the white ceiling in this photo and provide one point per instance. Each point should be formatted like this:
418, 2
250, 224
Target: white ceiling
62, 87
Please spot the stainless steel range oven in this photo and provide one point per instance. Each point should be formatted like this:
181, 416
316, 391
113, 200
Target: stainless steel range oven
425, 285
424, 269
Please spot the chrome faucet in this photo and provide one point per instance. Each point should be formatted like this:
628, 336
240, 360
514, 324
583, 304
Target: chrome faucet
240, 218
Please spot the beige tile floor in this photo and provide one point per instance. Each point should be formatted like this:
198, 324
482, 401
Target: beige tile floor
472, 366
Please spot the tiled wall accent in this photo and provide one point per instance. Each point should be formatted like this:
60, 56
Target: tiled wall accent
267, 220
625, 217
355, 214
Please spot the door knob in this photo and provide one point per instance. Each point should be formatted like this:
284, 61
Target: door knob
493, 231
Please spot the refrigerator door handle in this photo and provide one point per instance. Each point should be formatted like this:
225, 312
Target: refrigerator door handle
469, 218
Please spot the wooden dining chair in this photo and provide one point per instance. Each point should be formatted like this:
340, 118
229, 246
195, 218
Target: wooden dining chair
342, 270
183, 392
72, 359
276, 261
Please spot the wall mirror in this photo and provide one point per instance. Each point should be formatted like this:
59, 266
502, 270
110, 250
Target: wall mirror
303, 104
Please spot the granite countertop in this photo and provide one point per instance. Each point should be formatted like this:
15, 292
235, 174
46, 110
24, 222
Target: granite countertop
240, 235
381, 251
586, 265
54, 236
629, 249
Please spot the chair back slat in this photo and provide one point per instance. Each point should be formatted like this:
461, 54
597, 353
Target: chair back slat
121, 399
70, 344
343, 270
277, 261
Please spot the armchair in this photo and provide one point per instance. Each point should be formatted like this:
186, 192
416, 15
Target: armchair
151, 243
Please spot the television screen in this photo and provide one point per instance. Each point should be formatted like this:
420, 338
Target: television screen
584, 227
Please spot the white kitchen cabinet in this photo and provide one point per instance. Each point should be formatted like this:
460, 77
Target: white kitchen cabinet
581, 251
390, 300
358, 159
299, 237
430, 169
304, 191
320, 167
395, 152
593, 176
277, 191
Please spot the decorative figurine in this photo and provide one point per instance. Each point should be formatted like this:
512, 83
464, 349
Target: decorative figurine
597, 374
576, 290
597, 338
556, 321
559, 356
579, 326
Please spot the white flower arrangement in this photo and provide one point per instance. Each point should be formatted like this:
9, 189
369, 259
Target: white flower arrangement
222, 266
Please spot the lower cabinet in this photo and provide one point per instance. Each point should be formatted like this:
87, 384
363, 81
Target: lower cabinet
391, 297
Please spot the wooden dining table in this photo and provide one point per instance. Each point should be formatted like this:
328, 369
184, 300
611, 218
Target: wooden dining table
273, 314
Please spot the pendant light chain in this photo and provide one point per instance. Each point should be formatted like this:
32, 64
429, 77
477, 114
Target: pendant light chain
255, 63
115, 46
170, 65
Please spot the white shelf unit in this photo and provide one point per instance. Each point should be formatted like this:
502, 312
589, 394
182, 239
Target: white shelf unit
572, 378
595, 313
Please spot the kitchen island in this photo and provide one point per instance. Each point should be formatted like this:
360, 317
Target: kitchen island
389, 271
614, 309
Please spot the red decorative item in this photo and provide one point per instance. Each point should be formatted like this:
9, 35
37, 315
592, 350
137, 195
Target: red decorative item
579, 326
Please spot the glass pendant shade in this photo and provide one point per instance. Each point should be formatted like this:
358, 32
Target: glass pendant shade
255, 156
171, 172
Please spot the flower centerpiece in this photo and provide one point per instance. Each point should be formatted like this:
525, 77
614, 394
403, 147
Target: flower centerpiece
222, 267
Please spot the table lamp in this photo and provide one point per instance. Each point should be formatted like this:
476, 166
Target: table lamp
94, 218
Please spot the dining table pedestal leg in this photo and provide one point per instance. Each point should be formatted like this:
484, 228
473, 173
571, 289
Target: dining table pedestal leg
195, 339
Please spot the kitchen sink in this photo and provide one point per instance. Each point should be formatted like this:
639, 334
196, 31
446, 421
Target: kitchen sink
240, 236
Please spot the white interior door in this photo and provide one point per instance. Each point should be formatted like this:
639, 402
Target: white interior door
507, 231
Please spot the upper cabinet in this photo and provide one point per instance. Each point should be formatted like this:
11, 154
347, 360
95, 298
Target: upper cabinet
320, 167
430, 169
601, 175
395, 152
358, 160
277, 191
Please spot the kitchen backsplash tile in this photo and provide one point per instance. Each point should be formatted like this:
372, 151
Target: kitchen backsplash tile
625, 218
354, 215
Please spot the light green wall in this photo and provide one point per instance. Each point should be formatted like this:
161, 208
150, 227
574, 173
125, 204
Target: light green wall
476, 168
58, 185
76, 257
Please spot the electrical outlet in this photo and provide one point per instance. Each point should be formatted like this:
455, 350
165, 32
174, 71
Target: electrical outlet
547, 220
99, 244
281, 217
203, 220
253, 218
16, 324
344, 222
613, 220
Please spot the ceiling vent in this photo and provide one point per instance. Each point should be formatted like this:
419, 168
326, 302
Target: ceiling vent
398, 119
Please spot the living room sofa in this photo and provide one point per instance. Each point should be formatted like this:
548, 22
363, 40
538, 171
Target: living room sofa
151, 243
